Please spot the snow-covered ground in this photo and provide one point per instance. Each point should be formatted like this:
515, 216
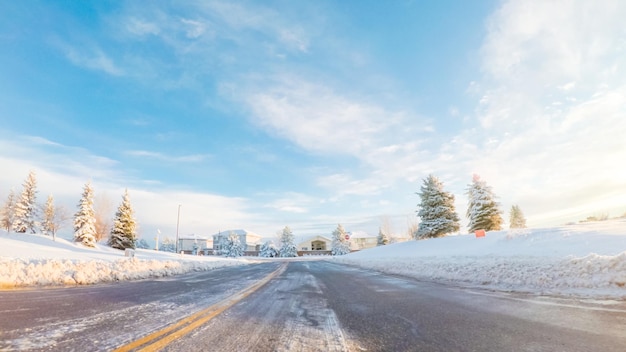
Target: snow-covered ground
587, 259
28, 260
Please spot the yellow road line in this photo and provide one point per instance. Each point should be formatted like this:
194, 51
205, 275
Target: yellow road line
159, 339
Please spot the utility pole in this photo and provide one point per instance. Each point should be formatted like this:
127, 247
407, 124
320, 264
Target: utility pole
177, 223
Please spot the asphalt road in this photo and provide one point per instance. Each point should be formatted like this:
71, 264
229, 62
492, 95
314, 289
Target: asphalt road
308, 306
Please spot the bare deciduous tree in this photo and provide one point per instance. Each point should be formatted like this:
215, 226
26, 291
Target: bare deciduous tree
412, 227
385, 225
55, 217
103, 208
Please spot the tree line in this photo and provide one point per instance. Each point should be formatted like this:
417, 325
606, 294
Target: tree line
287, 248
438, 216
23, 214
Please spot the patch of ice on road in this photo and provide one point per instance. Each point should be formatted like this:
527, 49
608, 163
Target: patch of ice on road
312, 326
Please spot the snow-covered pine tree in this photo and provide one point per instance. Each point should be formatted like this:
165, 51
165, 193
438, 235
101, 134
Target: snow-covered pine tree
483, 211
287, 245
7, 215
26, 207
84, 219
232, 246
167, 245
268, 250
382, 239
142, 243
124, 231
340, 245
436, 210
517, 219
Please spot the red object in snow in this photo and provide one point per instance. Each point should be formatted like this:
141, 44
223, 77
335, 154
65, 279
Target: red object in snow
347, 237
480, 233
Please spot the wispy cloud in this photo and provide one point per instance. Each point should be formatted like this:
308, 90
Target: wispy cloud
194, 158
89, 56
551, 106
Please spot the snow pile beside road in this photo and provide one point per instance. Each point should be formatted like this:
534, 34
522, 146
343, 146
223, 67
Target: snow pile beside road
586, 259
27, 260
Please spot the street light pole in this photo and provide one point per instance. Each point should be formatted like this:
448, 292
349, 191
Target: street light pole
177, 223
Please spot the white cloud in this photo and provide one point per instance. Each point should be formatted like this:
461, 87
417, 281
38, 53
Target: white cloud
62, 171
91, 57
553, 108
142, 27
194, 28
261, 19
193, 158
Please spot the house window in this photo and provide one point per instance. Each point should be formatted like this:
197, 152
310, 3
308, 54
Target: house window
318, 245
305, 248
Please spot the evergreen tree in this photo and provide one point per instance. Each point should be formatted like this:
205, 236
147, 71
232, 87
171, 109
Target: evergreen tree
517, 219
168, 245
287, 245
84, 219
232, 246
436, 210
382, 239
340, 245
483, 211
142, 243
7, 215
26, 207
124, 231
268, 250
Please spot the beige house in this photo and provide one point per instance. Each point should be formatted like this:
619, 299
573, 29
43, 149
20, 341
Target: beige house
250, 240
316, 243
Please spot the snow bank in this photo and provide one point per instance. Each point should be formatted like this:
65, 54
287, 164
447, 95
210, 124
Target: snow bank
585, 259
28, 260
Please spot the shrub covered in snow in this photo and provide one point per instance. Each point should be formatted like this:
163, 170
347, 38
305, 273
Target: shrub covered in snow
268, 250
232, 246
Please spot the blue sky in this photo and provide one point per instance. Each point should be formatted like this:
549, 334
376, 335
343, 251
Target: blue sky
261, 114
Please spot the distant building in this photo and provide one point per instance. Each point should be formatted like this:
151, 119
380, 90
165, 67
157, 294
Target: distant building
195, 244
360, 240
250, 240
316, 243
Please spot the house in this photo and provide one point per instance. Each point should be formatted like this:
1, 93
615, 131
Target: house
250, 240
360, 240
194, 244
316, 243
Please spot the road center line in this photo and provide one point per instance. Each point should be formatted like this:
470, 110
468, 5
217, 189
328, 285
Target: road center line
159, 339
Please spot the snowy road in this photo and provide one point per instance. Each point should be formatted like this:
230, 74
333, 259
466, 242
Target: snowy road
310, 306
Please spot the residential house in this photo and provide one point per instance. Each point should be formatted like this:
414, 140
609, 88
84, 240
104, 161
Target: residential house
315, 243
360, 240
194, 244
250, 240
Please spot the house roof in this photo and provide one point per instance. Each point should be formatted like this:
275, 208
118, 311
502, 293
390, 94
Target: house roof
193, 236
360, 234
313, 238
238, 232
